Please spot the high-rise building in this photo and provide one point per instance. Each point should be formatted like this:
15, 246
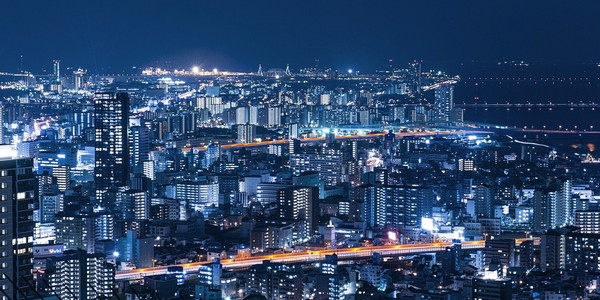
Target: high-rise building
133, 205
211, 154
329, 283
483, 201
78, 74
112, 143
140, 147
563, 204
198, 195
588, 221
49, 206
297, 203
75, 230
17, 194
246, 133
63, 177
444, 101
394, 205
293, 131
276, 281
80, 275
328, 166
568, 249
57, 70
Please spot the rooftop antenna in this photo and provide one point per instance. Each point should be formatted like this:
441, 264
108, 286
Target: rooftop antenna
287, 70
260, 71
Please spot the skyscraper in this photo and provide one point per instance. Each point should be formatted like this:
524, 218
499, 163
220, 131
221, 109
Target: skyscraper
112, 149
17, 193
444, 101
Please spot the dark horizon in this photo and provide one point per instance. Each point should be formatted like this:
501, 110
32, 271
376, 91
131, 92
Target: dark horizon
238, 35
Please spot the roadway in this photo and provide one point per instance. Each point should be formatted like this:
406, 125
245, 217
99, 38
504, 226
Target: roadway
300, 257
344, 137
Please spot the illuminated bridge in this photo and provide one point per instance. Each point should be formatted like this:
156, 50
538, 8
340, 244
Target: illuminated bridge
309, 256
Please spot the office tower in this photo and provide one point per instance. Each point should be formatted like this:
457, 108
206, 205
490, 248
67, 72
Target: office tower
483, 201
588, 221
444, 102
298, 204
328, 166
246, 133
394, 205
63, 177
80, 275
140, 147
17, 191
112, 143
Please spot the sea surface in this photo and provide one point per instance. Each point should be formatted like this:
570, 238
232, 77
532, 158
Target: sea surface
574, 85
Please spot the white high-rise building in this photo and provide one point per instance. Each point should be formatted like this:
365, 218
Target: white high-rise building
444, 101
80, 275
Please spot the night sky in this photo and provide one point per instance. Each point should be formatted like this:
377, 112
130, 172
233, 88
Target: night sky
238, 35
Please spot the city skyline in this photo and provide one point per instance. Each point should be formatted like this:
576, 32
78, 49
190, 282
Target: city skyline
319, 150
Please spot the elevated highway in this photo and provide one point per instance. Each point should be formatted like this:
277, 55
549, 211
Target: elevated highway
310, 256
